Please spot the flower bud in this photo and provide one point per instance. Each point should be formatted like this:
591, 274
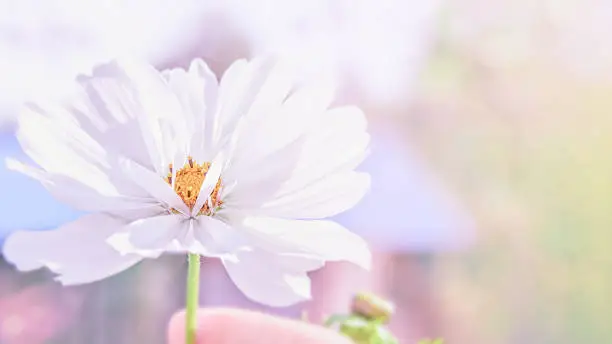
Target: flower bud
372, 307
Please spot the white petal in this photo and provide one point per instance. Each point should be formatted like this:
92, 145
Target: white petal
77, 251
324, 239
150, 236
124, 109
155, 233
268, 155
232, 89
238, 89
161, 111
82, 197
255, 185
301, 262
301, 112
340, 144
107, 111
273, 91
61, 147
200, 70
215, 238
197, 91
277, 82
154, 185
325, 198
210, 181
262, 279
129, 92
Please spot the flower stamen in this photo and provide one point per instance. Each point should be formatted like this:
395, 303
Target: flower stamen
187, 184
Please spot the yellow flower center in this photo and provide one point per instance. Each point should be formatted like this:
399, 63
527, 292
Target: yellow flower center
187, 184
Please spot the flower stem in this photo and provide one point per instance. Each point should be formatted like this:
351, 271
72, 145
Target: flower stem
193, 286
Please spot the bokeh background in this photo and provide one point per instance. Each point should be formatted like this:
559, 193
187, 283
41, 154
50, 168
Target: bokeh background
491, 207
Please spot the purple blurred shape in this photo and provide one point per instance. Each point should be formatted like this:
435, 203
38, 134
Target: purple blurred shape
407, 208
38, 313
376, 48
24, 202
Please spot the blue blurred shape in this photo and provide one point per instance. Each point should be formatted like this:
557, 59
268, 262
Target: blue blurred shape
408, 208
24, 202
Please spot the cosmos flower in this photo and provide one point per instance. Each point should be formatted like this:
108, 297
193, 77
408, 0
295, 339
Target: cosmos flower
244, 170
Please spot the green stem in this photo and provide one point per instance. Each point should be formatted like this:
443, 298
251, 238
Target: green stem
193, 286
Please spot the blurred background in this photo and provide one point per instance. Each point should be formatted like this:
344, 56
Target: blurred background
491, 205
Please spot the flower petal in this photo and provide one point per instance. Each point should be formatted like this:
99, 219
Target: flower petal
160, 110
261, 278
123, 109
126, 93
77, 251
209, 184
82, 197
326, 240
238, 90
215, 238
339, 144
210, 92
301, 112
59, 146
151, 236
261, 183
154, 185
197, 91
266, 159
325, 198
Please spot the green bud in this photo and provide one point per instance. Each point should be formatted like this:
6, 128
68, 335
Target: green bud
358, 329
431, 341
372, 307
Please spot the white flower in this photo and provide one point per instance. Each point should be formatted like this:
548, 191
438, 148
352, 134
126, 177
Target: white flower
242, 170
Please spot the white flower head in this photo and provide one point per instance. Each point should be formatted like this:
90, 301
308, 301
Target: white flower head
244, 170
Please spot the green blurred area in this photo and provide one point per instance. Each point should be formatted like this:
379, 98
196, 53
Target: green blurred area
527, 144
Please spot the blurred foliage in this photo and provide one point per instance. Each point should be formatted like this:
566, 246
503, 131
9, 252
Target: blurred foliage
527, 145
367, 319
431, 341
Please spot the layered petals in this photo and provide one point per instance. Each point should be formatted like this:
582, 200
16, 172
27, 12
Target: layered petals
324, 198
244, 169
150, 236
81, 196
197, 90
77, 251
268, 278
326, 240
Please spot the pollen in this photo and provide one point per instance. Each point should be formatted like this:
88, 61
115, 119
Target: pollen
188, 181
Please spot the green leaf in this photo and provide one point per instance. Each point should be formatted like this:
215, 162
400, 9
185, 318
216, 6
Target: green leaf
431, 341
